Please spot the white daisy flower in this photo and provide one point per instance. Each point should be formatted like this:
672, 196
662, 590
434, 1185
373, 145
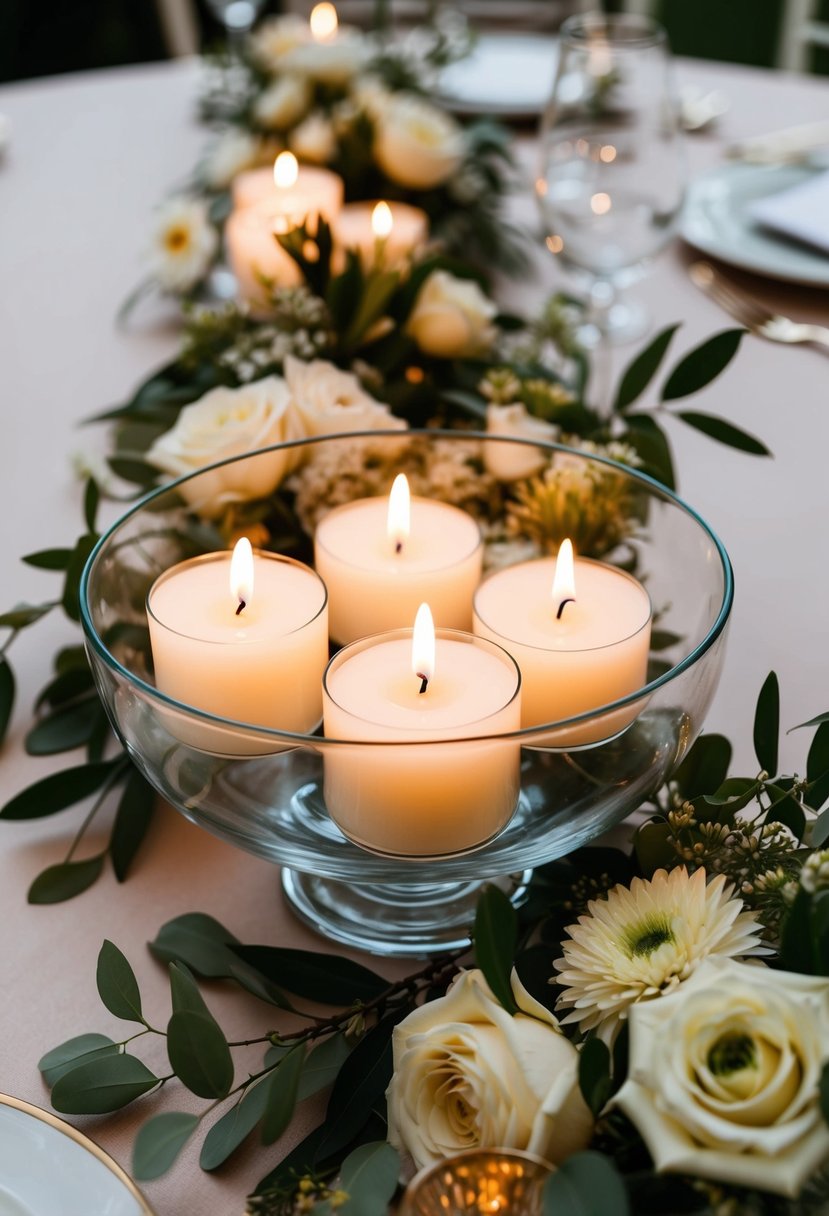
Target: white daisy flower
184, 243
644, 940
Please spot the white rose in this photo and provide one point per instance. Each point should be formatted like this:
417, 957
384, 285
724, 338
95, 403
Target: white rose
330, 401
231, 154
369, 94
276, 38
724, 1075
333, 62
184, 244
314, 139
283, 103
415, 143
229, 422
451, 317
511, 461
469, 1075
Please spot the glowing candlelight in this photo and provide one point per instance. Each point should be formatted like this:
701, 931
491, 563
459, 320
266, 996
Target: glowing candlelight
423, 646
564, 579
398, 520
382, 221
285, 170
323, 22
241, 574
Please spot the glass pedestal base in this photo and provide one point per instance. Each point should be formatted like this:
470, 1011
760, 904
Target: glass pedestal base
393, 919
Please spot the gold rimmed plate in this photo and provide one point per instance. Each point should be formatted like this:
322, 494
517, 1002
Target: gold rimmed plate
49, 1168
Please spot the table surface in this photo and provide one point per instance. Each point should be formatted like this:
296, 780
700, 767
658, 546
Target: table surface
91, 156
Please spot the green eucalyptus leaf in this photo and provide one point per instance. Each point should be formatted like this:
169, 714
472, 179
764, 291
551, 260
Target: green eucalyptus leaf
136, 807
817, 794
49, 559
785, 809
65, 729
594, 1074
796, 935
816, 721
72, 582
200, 942
255, 983
642, 370
724, 432
586, 1184
199, 1054
62, 1059
361, 1082
327, 978
102, 1085
702, 365
70, 658
281, 1099
131, 468
7, 690
820, 932
663, 639
64, 880
117, 985
227, 1133
767, 724
159, 1142
184, 991
496, 936
24, 614
705, 767
651, 846
648, 439
322, 1066
67, 685
369, 1178
820, 831
734, 793
91, 499
817, 762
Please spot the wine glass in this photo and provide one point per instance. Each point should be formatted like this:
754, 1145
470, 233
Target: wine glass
611, 174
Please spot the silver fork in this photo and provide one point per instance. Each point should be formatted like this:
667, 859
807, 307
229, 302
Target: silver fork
748, 312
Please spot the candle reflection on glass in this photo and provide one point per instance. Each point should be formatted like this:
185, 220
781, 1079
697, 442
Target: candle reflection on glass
479, 1182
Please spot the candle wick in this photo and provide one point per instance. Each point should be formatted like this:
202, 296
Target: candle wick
398, 546
569, 600
240, 608
424, 681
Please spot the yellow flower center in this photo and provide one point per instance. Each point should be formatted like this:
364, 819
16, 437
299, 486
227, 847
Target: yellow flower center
177, 238
642, 939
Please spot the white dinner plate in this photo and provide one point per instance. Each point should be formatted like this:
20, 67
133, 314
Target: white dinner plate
48, 1168
716, 219
507, 75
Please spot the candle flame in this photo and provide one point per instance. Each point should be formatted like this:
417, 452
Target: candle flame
564, 579
285, 170
323, 22
382, 221
423, 646
241, 574
398, 520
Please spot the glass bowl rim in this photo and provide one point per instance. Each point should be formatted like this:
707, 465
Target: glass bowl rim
526, 735
578, 30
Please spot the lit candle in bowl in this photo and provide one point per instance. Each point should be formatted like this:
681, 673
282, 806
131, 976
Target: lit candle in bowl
253, 250
334, 53
380, 557
394, 230
432, 786
580, 632
243, 637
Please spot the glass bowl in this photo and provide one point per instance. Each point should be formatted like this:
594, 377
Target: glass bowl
262, 789
478, 1182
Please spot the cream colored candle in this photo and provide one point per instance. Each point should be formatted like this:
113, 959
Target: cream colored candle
378, 569
261, 664
380, 233
578, 649
293, 196
314, 192
432, 794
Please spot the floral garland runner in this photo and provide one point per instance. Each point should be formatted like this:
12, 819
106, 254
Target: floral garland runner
654, 1023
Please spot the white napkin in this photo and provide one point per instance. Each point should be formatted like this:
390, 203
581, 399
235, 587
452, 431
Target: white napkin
802, 211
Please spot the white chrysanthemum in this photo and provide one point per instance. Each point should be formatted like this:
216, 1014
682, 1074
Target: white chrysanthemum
184, 243
644, 940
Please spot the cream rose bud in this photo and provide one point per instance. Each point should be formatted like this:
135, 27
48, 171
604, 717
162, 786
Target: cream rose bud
276, 38
452, 318
334, 62
231, 154
229, 422
330, 401
283, 103
314, 139
512, 461
415, 143
724, 1075
469, 1075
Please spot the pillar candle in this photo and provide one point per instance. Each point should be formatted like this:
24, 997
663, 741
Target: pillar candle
421, 792
315, 192
594, 652
262, 665
376, 580
376, 237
